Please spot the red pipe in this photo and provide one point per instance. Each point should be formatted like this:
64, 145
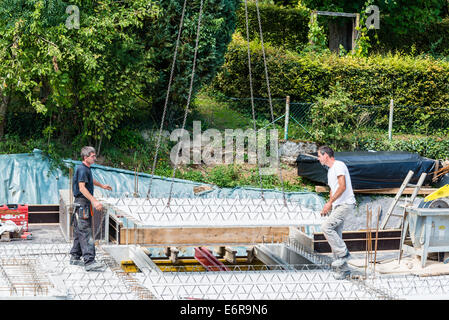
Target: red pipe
208, 260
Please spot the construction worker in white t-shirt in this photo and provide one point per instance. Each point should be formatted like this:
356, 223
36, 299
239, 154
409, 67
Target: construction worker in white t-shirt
340, 205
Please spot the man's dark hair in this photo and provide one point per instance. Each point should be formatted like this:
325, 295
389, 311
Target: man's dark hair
326, 149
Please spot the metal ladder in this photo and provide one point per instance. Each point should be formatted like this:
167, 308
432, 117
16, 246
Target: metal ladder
407, 201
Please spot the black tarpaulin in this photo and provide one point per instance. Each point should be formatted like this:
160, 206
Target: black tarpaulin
370, 170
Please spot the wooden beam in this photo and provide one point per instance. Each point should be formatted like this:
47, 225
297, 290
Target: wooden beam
355, 33
422, 191
220, 250
230, 255
250, 254
174, 255
200, 236
5, 236
336, 14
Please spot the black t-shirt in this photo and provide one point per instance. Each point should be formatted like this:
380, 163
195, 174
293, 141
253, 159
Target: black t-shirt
82, 174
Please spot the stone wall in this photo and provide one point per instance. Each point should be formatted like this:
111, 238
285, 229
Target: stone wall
289, 150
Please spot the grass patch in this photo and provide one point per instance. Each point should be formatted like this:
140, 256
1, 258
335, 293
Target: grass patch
218, 115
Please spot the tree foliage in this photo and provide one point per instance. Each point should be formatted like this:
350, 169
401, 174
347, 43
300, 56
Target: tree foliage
331, 116
398, 16
115, 65
281, 27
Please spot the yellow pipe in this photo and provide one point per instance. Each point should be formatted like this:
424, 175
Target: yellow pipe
190, 265
180, 261
186, 268
129, 266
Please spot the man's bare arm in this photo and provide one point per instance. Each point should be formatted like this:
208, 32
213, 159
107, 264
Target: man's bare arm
340, 190
332, 197
104, 186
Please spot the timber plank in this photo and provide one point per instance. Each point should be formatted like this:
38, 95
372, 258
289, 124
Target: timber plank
212, 235
422, 191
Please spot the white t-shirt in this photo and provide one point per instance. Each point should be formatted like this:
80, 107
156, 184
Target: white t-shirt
339, 168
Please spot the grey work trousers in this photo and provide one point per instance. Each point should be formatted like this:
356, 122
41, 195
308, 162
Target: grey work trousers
332, 228
83, 241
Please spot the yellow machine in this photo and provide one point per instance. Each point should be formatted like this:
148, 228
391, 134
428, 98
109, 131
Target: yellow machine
435, 199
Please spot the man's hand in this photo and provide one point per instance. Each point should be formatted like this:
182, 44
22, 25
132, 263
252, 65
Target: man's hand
97, 205
327, 207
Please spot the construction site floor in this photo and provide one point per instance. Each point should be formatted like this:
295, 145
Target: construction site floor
45, 233
44, 261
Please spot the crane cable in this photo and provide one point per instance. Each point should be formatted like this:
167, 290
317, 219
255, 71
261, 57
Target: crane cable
166, 99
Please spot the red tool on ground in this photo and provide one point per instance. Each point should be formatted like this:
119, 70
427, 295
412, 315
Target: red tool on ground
208, 260
26, 236
16, 213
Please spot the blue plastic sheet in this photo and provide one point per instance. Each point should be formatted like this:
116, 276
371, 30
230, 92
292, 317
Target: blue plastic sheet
27, 179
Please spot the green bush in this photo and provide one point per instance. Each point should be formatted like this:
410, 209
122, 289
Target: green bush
128, 139
191, 175
412, 81
288, 28
281, 27
331, 116
433, 148
224, 176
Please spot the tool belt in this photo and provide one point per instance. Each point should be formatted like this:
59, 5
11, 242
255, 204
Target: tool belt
82, 209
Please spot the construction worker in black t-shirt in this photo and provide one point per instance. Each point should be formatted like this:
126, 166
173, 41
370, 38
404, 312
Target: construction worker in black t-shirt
83, 190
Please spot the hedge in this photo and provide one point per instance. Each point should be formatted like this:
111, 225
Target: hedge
429, 147
281, 27
374, 80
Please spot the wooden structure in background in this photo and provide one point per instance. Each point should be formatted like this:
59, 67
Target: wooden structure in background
344, 33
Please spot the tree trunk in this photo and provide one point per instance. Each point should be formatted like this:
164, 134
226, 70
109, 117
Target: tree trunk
98, 145
4, 101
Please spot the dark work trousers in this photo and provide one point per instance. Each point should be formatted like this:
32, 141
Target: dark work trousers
83, 241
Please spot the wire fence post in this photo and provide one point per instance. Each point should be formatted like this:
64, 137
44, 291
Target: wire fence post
287, 116
390, 120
